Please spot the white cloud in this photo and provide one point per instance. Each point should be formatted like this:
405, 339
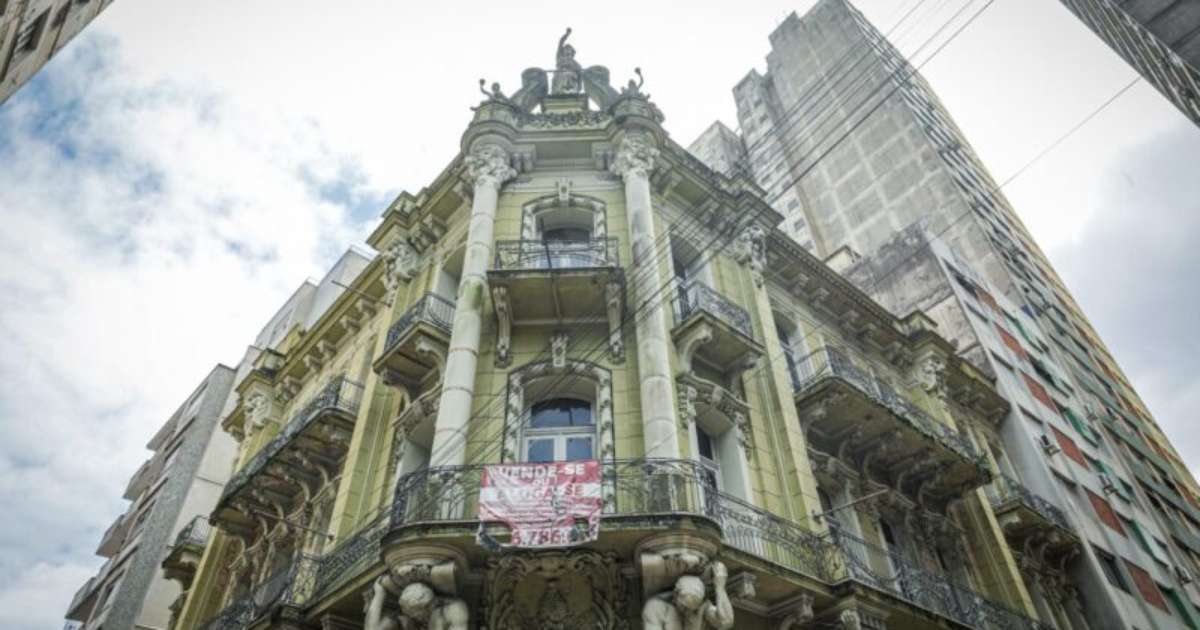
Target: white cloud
150, 229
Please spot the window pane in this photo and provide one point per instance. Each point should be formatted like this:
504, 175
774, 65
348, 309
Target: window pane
561, 412
540, 451
705, 444
579, 448
550, 414
567, 234
581, 414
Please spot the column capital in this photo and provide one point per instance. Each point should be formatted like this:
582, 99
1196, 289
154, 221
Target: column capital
489, 165
636, 156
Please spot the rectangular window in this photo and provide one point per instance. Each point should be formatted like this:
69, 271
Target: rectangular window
1069, 448
1145, 585
1105, 512
1012, 343
1111, 571
30, 35
1038, 391
1083, 429
1138, 534
987, 298
1180, 607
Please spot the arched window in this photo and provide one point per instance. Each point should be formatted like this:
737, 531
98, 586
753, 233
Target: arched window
560, 429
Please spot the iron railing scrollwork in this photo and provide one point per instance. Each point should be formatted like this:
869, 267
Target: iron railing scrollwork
361, 548
639, 487
341, 394
291, 585
832, 362
779, 540
431, 309
547, 255
1006, 488
696, 296
891, 572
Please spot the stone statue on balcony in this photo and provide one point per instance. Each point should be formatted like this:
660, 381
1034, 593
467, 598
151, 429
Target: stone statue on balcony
420, 608
684, 607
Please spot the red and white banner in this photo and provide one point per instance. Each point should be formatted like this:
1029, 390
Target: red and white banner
541, 503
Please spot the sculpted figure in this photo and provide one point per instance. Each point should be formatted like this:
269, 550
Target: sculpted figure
420, 608
566, 75
685, 608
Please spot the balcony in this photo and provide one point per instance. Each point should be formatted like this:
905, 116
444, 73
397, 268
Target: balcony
114, 536
916, 583
659, 490
557, 282
309, 448
290, 586
1166, 493
184, 556
714, 329
438, 506
84, 600
1028, 518
1183, 535
416, 339
859, 418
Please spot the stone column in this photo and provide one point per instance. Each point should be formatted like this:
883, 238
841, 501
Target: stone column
488, 167
634, 162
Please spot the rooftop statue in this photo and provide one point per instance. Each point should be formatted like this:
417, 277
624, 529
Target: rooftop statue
566, 69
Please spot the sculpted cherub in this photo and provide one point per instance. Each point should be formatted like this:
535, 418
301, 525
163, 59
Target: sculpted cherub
685, 608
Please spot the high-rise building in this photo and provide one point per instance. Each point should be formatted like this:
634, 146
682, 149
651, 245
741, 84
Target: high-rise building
853, 147
155, 547
588, 382
177, 484
1063, 483
33, 31
1161, 40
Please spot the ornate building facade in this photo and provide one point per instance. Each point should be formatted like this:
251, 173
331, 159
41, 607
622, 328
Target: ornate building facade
773, 448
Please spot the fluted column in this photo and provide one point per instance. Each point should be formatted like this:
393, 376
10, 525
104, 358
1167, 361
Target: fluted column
634, 162
488, 167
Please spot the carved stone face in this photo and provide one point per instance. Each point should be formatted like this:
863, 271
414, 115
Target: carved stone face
689, 592
416, 601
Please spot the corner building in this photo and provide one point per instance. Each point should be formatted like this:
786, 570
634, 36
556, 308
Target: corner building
776, 449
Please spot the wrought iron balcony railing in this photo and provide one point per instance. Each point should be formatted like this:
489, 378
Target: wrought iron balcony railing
291, 585
653, 489
899, 576
1005, 489
341, 394
431, 309
643, 487
832, 363
547, 255
697, 296
776, 539
353, 555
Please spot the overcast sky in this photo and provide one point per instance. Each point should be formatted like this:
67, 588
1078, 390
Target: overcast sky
170, 178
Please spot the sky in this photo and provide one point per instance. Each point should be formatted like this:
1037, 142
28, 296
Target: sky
172, 176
